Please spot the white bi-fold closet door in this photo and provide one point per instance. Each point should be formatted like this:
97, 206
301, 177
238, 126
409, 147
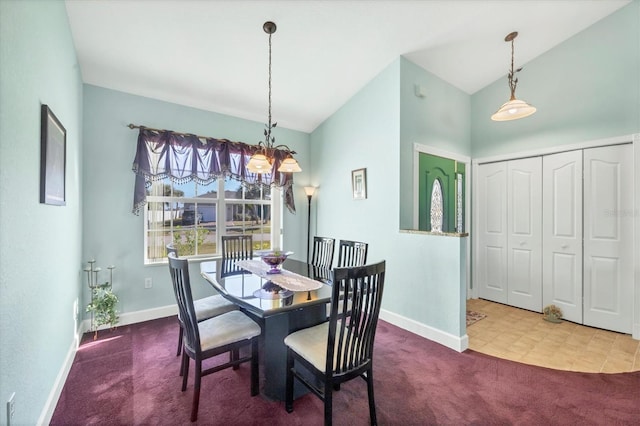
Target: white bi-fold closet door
509, 257
558, 229
588, 235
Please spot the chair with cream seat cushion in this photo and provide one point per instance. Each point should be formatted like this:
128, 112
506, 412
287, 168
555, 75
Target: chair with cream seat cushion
340, 349
322, 254
352, 253
228, 332
237, 247
207, 307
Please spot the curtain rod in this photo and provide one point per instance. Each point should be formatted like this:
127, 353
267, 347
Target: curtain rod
135, 126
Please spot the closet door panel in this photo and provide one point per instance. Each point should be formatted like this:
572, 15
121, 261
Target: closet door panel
492, 232
608, 234
562, 233
524, 219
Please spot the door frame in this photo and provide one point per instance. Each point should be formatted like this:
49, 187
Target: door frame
634, 139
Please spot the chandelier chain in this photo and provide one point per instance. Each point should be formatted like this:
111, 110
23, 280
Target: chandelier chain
268, 141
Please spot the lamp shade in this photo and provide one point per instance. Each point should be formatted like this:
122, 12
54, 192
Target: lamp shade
259, 164
513, 110
309, 190
288, 165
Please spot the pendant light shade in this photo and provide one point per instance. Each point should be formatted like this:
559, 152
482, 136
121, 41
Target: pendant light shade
514, 108
289, 165
259, 164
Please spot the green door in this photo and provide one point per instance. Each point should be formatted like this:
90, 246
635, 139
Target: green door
430, 169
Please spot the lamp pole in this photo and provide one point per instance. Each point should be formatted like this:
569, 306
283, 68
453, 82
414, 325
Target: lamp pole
309, 190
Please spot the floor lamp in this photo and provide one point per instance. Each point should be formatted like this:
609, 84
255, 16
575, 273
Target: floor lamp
309, 190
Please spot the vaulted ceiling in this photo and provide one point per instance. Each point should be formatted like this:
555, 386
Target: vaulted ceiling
213, 54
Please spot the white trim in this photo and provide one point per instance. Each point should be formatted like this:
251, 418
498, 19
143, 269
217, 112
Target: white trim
138, 316
441, 153
636, 223
459, 344
556, 149
52, 400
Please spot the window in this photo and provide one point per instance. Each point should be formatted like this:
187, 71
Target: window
194, 216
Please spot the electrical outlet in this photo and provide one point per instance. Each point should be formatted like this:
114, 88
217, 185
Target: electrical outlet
148, 283
11, 408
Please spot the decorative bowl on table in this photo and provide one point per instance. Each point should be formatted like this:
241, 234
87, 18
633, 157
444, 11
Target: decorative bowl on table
274, 259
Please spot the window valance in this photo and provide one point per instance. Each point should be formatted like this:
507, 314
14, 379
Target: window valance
162, 154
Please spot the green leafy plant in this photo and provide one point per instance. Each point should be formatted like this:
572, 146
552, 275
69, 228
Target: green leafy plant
192, 238
103, 307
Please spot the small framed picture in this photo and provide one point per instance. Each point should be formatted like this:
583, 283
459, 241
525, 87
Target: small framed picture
359, 184
53, 149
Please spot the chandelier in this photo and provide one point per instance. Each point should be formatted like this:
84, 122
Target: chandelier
515, 108
262, 161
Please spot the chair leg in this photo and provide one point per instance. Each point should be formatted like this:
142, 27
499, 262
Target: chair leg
372, 401
180, 340
182, 366
196, 390
185, 370
234, 355
328, 403
255, 368
288, 405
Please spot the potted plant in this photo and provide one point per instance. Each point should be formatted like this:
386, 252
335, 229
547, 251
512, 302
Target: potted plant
103, 307
552, 314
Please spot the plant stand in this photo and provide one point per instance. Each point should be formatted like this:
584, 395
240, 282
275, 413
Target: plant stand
103, 301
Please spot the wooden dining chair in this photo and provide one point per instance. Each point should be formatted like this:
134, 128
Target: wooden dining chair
237, 247
207, 307
224, 333
322, 256
352, 253
340, 349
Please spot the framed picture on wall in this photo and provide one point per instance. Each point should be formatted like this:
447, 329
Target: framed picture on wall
359, 184
53, 154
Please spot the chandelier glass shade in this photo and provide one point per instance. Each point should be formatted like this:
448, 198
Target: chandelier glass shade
514, 108
268, 154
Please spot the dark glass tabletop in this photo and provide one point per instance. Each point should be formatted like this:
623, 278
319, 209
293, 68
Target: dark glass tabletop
246, 289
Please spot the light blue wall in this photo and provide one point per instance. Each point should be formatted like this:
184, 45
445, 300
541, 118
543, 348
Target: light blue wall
112, 234
440, 119
586, 88
423, 272
40, 245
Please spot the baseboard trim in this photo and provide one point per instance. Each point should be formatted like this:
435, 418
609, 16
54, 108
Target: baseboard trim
459, 344
61, 378
137, 316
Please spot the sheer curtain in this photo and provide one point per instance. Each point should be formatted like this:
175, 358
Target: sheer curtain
162, 154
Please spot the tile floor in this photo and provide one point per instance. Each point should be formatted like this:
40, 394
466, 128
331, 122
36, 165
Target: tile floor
523, 336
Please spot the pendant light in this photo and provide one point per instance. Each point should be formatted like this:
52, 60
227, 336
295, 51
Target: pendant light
515, 108
262, 160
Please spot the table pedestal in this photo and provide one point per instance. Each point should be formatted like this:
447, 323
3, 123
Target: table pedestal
274, 353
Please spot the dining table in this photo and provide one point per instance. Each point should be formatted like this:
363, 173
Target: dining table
292, 298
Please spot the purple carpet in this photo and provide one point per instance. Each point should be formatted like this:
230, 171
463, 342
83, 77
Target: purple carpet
130, 377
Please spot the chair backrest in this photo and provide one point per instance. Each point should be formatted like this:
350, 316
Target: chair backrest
179, 269
352, 253
171, 248
322, 252
355, 306
228, 268
237, 247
